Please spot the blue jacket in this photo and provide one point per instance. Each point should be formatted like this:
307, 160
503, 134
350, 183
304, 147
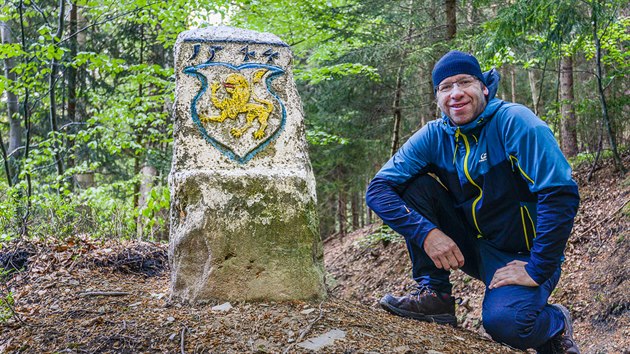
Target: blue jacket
504, 170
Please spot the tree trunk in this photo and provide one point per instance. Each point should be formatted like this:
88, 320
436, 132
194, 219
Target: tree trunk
397, 112
341, 212
356, 211
5, 161
470, 17
398, 92
361, 211
513, 82
136, 160
148, 175
600, 90
71, 71
450, 7
569, 122
531, 75
368, 211
52, 91
15, 128
84, 180
27, 126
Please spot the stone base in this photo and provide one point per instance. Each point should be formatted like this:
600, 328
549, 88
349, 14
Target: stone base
260, 241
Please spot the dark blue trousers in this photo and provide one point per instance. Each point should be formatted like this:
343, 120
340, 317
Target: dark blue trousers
515, 315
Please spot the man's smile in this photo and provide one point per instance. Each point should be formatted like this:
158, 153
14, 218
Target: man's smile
458, 105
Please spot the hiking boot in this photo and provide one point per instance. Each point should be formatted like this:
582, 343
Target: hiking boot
562, 343
422, 304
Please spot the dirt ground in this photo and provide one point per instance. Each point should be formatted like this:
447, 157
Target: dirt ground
86, 296
82, 296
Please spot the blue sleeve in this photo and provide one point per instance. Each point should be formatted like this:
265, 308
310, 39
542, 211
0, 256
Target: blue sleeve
384, 191
533, 149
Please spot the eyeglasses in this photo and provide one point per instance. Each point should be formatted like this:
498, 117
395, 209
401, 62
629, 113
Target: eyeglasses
461, 83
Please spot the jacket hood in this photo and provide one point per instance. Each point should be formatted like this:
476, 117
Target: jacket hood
491, 78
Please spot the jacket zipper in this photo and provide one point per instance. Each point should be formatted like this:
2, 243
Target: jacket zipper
524, 211
525, 229
474, 204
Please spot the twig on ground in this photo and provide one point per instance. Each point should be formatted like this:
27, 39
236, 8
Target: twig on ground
182, 343
104, 293
306, 330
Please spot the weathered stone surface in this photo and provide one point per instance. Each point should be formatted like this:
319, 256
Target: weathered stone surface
243, 207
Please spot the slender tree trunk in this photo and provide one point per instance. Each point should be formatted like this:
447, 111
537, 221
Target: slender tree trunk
450, 7
470, 18
397, 112
85, 180
148, 175
356, 211
341, 212
136, 160
27, 125
600, 90
15, 128
368, 211
71, 71
329, 227
568, 123
513, 82
426, 98
5, 160
398, 92
361, 211
52, 92
531, 75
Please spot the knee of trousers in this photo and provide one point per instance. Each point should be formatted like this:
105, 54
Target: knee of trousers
512, 325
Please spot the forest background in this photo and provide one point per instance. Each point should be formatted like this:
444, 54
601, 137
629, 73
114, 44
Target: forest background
88, 86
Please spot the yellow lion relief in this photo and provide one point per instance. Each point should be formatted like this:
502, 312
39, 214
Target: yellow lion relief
237, 102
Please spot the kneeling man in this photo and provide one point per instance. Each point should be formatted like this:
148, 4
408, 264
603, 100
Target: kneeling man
484, 189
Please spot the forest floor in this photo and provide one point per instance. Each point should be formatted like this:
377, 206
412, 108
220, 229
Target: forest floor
86, 296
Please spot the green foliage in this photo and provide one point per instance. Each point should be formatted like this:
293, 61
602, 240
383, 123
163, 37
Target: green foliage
6, 303
109, 211
337, 71
383, 234
352, 58
8, 213
316, 136
588, 157
153, 214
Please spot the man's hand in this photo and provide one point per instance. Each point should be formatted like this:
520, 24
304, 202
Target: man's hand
512, 274
443, 251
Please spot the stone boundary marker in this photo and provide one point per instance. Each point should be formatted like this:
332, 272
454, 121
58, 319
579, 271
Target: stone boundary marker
243, 210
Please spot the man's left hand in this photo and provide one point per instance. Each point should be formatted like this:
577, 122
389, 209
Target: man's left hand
512, 274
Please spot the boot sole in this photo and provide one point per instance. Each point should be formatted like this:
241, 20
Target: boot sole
440, 319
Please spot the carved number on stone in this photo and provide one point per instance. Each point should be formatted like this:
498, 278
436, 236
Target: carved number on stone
271, 55
195, 51
248, 54
213, 49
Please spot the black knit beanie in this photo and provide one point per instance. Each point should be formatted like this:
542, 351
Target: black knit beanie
454, 63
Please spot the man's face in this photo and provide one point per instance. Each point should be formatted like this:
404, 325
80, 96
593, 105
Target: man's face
461, 104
